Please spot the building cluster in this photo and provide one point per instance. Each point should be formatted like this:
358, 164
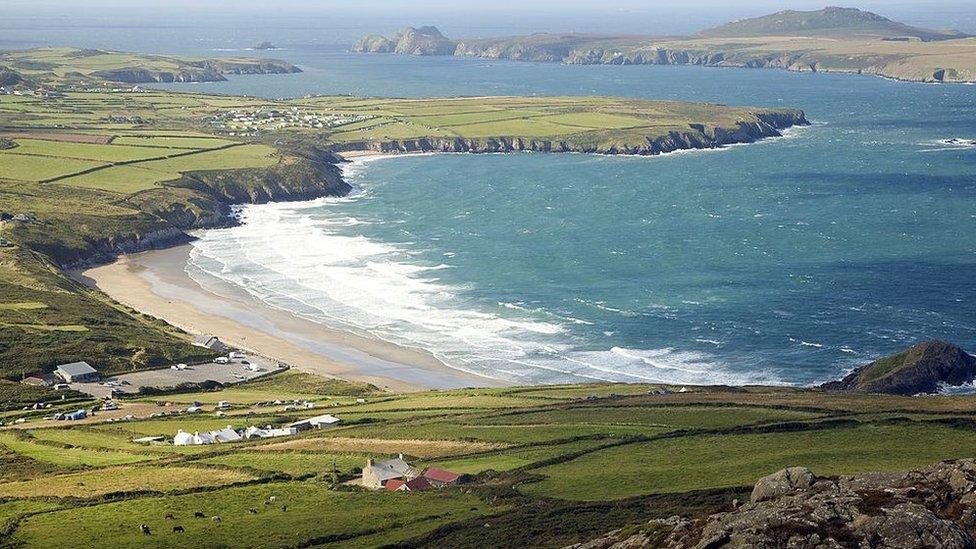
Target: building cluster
267, 118
396, 475
228, 434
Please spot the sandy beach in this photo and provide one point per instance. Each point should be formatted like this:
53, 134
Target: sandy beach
156, 283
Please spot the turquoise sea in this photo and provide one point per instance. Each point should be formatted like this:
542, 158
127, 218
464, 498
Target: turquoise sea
786, 261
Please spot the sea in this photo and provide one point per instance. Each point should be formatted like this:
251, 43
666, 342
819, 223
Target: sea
788, 261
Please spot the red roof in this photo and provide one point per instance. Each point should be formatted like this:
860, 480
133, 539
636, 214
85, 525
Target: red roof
393, 484
419, 483
440, 475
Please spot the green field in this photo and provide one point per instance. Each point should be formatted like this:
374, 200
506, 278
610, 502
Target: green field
67, 457
592, 456
694, 463
313, 513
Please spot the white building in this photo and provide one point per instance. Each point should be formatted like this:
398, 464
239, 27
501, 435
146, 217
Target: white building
227, 434
269, 432
317, 422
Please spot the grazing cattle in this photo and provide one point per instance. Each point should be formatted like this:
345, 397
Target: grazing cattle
215, 518
198, 514
252, 511
284, 508
272, 499
170, 516
178, 530
145, 529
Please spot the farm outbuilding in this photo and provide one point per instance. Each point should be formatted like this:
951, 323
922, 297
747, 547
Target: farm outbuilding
77, 372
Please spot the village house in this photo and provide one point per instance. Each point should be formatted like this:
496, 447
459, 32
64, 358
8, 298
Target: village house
377, 474
77, 372
317, 422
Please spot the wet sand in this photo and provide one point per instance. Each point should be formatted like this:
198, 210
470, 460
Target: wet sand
157, 284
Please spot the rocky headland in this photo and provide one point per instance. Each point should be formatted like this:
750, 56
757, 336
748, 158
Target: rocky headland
924, 368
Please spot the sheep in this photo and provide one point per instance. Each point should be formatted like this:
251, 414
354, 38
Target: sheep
144, 528
178, 530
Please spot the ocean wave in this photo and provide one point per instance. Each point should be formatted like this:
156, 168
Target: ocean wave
308, 259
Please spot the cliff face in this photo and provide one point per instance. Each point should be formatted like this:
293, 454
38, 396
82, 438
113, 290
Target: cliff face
197, 200
766, 124
210, 70
923, 368
929, 507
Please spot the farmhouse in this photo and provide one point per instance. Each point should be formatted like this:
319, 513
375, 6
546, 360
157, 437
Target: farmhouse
317, 422
77, 372
377, 474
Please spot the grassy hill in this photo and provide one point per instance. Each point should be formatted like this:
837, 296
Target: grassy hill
550, 466
830, 22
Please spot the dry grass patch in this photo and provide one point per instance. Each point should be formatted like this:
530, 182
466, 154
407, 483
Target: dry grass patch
418, 448
123, 479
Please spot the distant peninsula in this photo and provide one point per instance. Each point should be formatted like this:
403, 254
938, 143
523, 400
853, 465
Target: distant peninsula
845, 40
72, 66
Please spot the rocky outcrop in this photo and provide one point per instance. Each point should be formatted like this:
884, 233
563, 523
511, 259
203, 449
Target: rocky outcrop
930, 507
409, 41
924, 368
766, 124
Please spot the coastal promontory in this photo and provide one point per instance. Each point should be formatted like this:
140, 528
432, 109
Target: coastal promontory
833, 39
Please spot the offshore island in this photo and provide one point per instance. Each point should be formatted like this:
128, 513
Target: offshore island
118, 408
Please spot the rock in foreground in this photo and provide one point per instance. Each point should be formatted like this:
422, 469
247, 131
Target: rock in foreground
924, 368
931, 507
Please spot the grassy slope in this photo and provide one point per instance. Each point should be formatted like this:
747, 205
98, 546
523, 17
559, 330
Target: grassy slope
680, 446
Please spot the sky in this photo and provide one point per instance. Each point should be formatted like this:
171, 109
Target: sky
342, 20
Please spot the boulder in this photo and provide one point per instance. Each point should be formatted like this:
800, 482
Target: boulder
781, 483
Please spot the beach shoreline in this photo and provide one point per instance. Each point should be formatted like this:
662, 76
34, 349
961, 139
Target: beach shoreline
156, 283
